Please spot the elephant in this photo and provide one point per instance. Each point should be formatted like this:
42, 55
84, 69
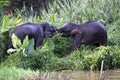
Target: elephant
34, 31
88, 33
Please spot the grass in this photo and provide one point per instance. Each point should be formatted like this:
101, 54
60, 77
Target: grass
13, 73
54, 54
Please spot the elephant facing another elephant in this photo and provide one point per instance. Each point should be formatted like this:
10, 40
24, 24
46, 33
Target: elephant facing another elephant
34, 30
89, 33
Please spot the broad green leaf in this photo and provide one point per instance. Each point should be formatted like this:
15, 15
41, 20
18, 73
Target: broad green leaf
25, 42
17, 20
5, 20
38, 19
81, 20
53, 19
16, 41
31, 45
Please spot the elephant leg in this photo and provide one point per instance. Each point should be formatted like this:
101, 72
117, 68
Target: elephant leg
103, 42
38, 41
76, 42
96, 44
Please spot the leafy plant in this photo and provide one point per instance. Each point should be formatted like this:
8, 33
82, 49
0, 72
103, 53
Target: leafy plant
21, 47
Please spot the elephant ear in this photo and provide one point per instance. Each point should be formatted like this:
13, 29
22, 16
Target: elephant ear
75, 31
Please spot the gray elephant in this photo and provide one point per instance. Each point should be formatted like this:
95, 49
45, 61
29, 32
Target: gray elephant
36, 31
88, 33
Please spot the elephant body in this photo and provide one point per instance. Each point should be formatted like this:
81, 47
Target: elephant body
36, 31
89, 33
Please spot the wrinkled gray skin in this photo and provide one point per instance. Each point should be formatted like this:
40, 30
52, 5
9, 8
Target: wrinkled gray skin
89, 33
36, 31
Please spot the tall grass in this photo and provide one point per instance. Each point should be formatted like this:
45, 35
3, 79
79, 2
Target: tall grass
84, 10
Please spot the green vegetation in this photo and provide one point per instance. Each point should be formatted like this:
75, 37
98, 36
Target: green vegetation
54, 54
16, 74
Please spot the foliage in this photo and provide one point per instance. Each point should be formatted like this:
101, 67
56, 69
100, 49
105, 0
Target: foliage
2, 48
62, 50
54, 54
13, 73
27, 6
22, 58
8, 23
3, 3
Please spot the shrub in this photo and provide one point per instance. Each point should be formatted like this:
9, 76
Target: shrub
62, 45
2, 47
116, 57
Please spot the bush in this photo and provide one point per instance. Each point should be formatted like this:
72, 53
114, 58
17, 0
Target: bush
13, 73
2, 47
25, 59
65, 43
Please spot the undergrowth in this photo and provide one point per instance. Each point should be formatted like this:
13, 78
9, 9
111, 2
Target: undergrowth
54, 54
